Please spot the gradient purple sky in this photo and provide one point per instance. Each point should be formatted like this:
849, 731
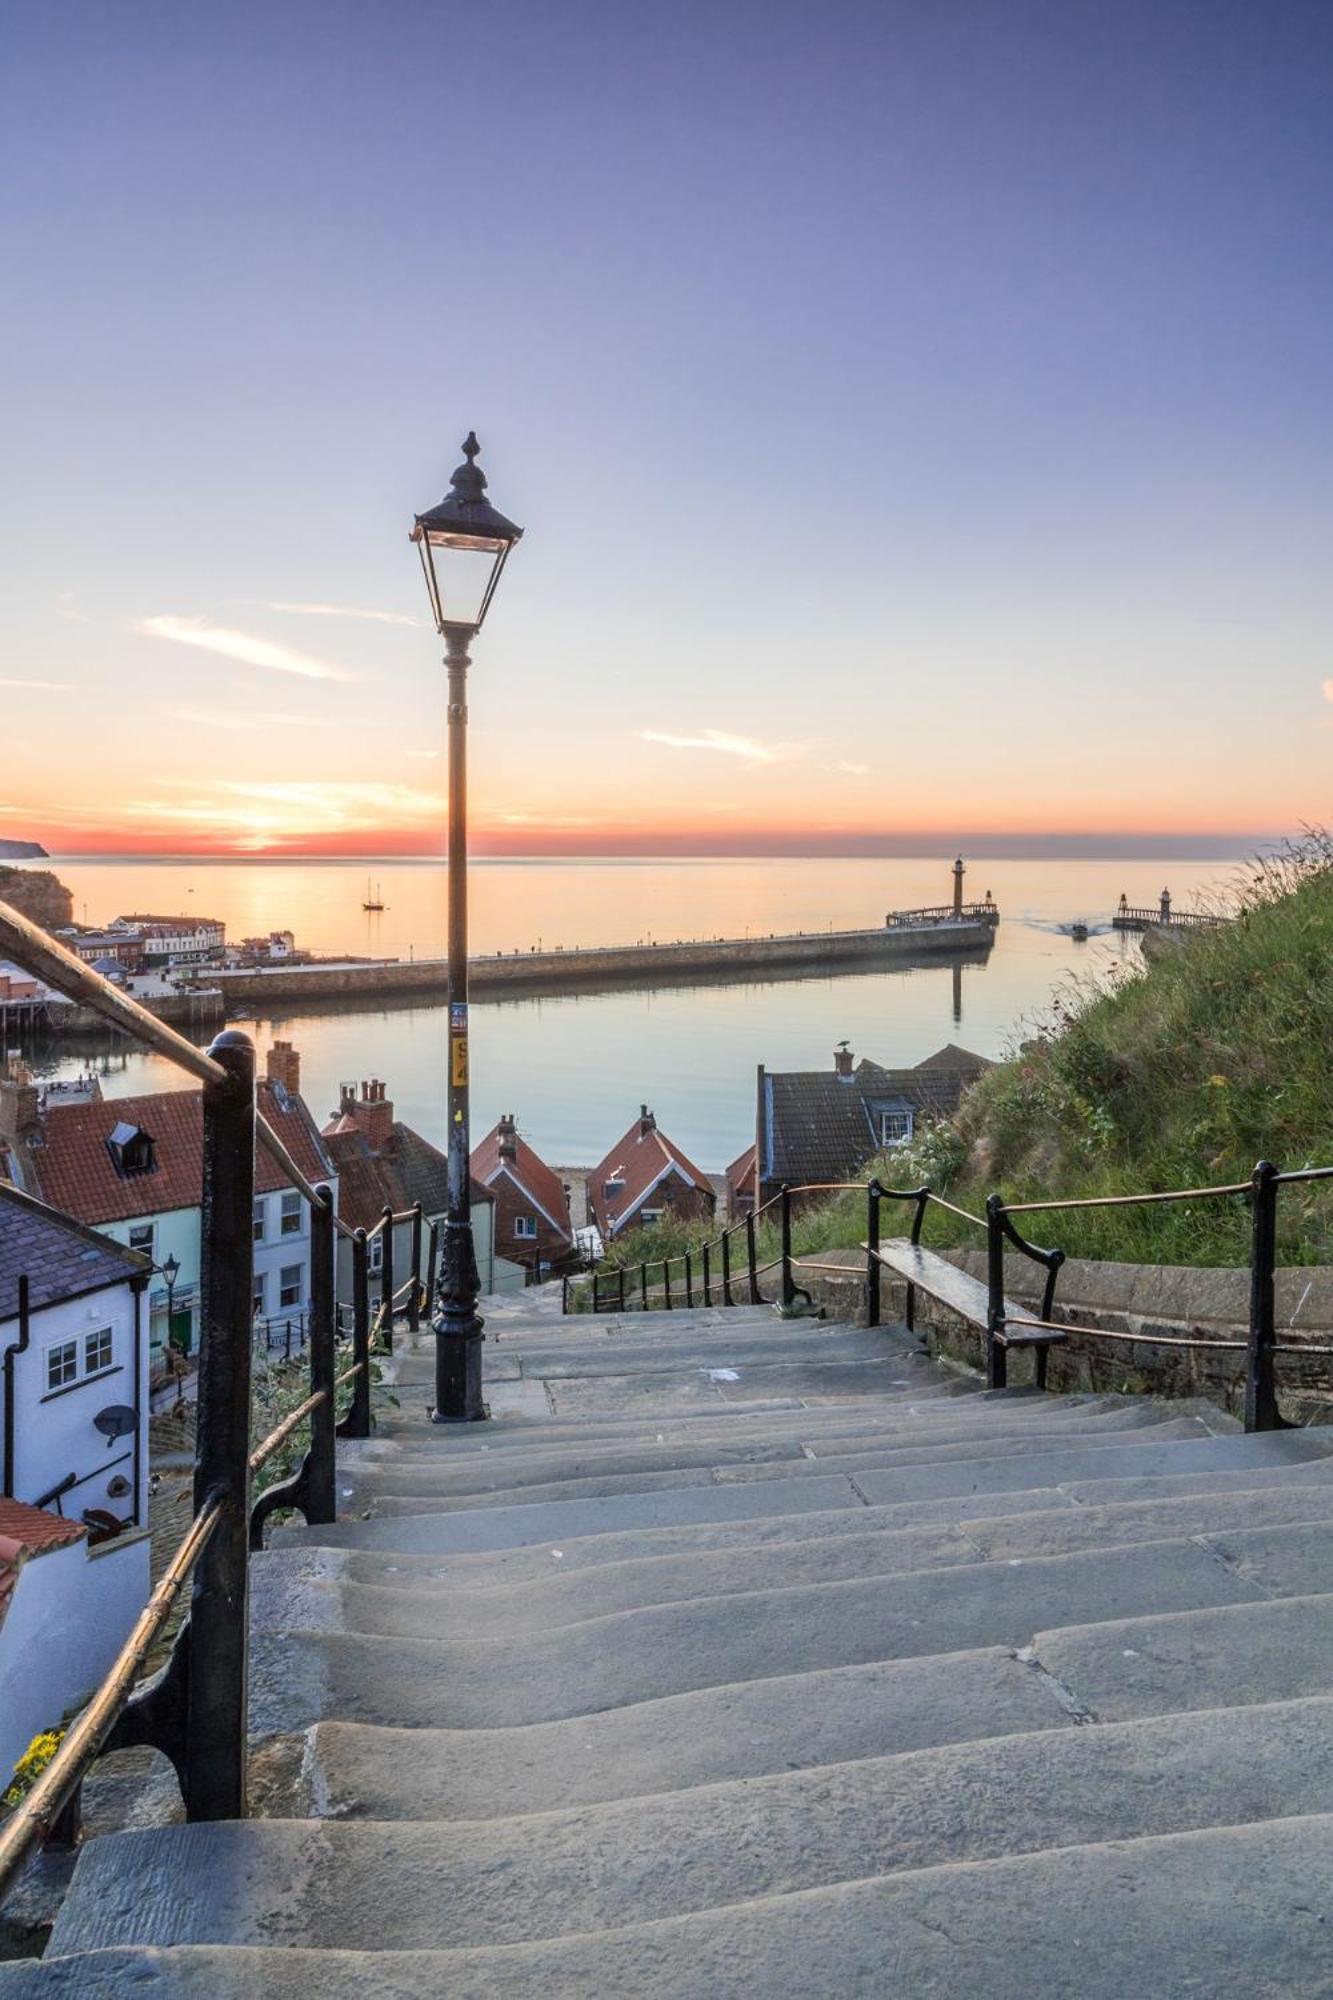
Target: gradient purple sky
919, 413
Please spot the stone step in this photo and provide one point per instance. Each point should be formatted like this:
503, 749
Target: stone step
587, 1473
640, 1655
1236, 1911
1290, 1553
299, 1884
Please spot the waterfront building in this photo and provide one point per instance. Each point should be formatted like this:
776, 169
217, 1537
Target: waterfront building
740, 1186
131, 1166
175, 940
125, 948
825, 1125
384, 1163
644, 1176
532, 1225
74, 1548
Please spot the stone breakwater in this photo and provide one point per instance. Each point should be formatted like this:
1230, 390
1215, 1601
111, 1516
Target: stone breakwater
704, 961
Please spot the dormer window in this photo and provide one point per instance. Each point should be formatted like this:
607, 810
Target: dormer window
895, 1128
132, 1151
612, 1190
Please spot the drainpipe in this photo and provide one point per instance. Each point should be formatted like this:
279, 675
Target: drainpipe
16, 1347
138, 1287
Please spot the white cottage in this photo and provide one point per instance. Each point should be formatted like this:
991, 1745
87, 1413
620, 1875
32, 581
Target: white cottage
74, 1548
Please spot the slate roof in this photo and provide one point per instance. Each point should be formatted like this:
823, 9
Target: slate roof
640, 1160
60, 1258
74, 1169
542, 1186
815, 1125
406, 1169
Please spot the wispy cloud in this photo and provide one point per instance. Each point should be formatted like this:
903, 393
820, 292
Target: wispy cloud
748, 748
254, 651
345, 611
849, 770
542, 819
6, 681
255, 815
253, 718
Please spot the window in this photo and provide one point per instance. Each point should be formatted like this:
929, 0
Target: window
141, 1237
258, 1295
612, 1190
291, 1213
375, 1253
132, 1150
895, 1128
291, 1285
62, 1364
647, 1215
97, 1350
261, 1209
525, 1225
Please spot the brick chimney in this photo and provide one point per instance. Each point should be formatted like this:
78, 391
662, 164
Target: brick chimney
373, 1112
20, 1111
282, 1065
844, 1062
508, 1137
647, 1122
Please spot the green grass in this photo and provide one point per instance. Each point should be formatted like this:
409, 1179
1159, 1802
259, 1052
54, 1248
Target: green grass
1180, 1072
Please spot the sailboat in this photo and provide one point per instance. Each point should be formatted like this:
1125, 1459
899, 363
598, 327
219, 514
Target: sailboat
373, 900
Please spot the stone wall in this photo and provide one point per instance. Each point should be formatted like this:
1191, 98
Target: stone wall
1170, 1301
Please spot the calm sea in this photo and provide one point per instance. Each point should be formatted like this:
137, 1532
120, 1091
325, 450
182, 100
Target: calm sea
575, 1070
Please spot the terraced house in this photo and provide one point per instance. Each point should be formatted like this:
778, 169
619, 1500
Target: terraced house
532, 1222
643, 1177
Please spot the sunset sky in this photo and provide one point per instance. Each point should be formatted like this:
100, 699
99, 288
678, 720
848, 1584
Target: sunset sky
919, 415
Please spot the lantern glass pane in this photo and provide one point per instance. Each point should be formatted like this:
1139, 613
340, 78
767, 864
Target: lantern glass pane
463, 575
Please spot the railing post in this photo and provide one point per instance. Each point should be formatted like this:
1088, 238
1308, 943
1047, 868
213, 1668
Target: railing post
621, 1291
1261, 1411
386, 1278
751, 1266
726, 1267
689, 1281
666, 1284
643, 1287
788, 1286
321, 1488
872, 1254
997, 1360
356, 1424
707, 1278
216, 1703
433, 1265
414, 1307
909, 1303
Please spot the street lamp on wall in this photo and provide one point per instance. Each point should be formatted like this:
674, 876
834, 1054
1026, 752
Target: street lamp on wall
464, 544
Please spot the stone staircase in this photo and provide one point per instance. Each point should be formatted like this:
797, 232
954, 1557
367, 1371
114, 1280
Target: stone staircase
750, 1657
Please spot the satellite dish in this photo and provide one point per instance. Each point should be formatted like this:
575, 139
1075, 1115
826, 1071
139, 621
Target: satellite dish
117, 1420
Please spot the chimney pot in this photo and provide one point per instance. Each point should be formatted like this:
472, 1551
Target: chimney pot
844, 1062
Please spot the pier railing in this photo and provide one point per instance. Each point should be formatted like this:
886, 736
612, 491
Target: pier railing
709, 1275
943, 913
194, 1708
1130, 918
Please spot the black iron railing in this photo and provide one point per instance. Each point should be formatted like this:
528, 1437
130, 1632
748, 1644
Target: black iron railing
649, 1285
194, 1708
944, 913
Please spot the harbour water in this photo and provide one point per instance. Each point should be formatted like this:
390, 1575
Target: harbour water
574, 1070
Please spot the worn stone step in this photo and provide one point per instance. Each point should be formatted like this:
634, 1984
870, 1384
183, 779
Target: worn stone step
1291, 1553
1236, 1911
300, 1883
588, 1474
810, 1380
639, 1655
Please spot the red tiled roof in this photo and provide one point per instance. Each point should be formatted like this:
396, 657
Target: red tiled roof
543, 1187
406, 1169
639, 1161
75, 1171
31, 1531
742, 1170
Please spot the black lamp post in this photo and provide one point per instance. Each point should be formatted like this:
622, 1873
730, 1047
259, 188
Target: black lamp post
464, 544
170, 1270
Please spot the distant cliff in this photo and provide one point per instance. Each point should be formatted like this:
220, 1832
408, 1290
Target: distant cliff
38, 894
22, 850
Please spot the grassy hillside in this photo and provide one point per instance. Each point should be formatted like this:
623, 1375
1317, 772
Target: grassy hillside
1180, 1071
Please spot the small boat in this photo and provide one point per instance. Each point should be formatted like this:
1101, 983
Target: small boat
1079, 931
373, 901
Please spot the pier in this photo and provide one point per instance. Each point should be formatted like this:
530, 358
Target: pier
908, 938
1161, 916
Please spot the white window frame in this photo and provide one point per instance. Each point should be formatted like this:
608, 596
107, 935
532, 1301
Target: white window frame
68, 1353
900, 1138
261, 1218
259, 1293
138, 1229
375, 1253
291, 1219
291, 1278
525, 1227
649, 1215
102, 1339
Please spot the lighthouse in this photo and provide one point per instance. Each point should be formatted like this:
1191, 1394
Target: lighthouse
958, 873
